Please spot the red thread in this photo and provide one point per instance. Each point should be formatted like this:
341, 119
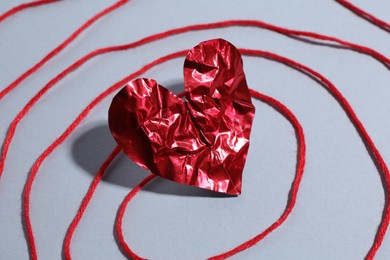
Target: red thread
119, 218
363, 14
331, 88
11, 131
86, 201
342, 101
60, 47
21, 7
290, 205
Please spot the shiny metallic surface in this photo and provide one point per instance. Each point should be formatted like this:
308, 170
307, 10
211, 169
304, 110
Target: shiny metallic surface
201, 141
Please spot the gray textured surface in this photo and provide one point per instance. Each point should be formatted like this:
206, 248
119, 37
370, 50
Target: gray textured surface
341, 197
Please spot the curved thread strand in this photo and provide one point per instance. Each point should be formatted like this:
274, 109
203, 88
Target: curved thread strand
366, 16
24, 6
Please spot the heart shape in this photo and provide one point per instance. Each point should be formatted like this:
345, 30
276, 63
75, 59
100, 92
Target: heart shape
200, 141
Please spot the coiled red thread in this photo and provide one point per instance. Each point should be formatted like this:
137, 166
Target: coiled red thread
330, 87
45, 154
363, 49
21, 7
290, 204
363, 14
60, 47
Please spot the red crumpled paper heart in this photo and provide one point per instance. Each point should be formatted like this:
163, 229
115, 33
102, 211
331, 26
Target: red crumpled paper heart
200, 141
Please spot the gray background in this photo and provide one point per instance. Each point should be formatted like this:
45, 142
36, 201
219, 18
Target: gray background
341, 197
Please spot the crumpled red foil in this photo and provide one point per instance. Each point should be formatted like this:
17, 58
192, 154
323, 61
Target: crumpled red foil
201, 141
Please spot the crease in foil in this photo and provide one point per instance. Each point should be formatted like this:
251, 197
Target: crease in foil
201, 141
